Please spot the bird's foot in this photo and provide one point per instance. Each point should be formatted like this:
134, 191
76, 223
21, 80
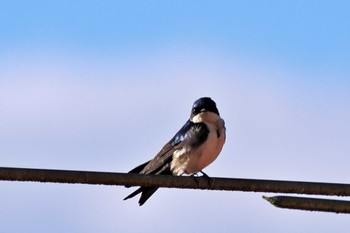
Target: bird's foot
195, 176
210, 180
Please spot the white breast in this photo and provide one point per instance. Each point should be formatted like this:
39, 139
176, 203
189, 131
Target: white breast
189, 161
208, 152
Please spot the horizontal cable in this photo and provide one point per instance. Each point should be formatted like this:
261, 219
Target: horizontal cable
166, 181
311, 204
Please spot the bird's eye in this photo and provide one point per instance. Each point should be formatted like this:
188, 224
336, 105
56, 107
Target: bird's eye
196, 111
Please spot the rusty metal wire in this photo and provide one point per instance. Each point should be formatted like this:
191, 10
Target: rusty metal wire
228, 184
311, 204
125, 179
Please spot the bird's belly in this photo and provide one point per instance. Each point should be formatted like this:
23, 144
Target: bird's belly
205, 154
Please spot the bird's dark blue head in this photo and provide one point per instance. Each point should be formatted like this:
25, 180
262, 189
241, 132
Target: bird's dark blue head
204, 104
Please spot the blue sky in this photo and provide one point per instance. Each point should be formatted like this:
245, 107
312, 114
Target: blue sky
295, 32
78, 81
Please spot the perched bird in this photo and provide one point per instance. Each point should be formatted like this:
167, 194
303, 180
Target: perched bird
196, 145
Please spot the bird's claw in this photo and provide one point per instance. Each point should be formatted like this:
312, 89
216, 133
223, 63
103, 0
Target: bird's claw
195, 175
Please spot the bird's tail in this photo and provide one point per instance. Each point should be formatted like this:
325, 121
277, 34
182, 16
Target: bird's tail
146, 192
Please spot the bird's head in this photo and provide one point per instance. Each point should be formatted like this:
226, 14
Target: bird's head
204, 104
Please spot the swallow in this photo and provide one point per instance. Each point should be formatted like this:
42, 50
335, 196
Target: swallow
196, 145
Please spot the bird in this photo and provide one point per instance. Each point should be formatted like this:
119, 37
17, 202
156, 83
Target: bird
196, 145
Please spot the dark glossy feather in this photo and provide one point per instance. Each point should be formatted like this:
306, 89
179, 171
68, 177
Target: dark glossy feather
193, 134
